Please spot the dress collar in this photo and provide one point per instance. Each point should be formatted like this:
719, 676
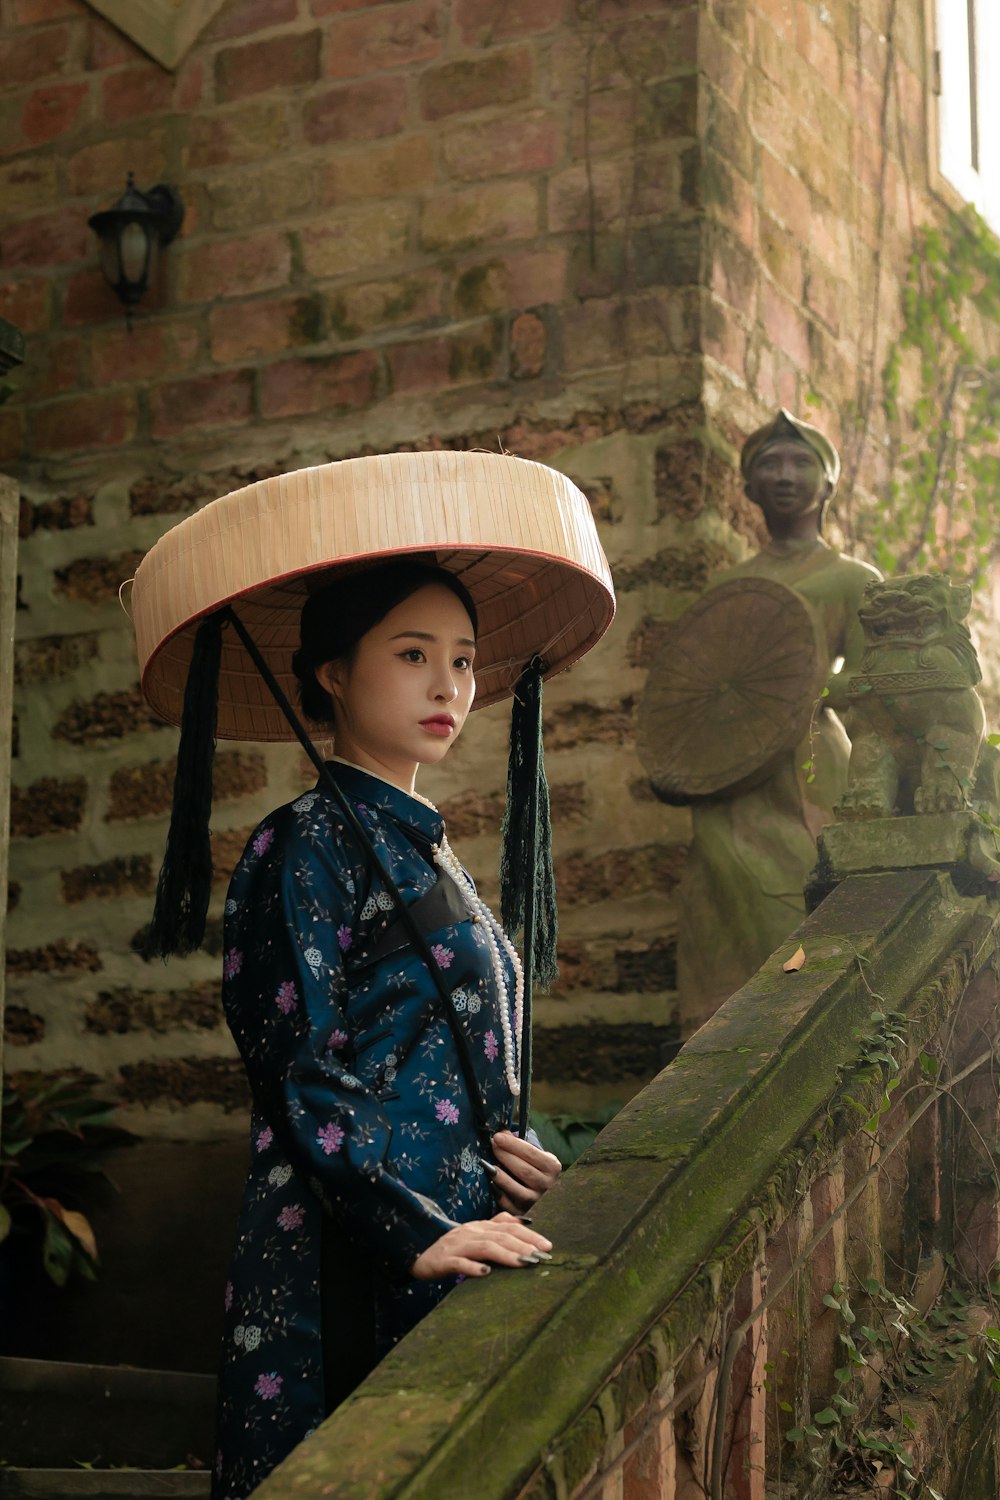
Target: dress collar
368, 790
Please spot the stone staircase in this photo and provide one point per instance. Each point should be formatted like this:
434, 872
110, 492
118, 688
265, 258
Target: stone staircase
131, 1428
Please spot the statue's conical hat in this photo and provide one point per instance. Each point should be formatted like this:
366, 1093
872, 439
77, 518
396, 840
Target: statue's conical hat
731, 689
518, 534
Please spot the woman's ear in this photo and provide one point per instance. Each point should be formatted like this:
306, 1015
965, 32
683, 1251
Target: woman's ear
329, 675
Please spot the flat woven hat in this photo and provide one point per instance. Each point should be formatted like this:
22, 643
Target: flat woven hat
518, 534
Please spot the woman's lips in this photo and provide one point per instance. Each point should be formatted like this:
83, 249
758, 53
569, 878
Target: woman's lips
442, 726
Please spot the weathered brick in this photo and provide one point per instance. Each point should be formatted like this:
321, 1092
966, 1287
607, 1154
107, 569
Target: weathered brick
84, 422
48, 806
526, 279
385, 37
355, 242
87, 298
58, 366
236, 267
13, 436
586, 196
249, 133
494, 211
100, 168
96, 580
184, 1081
223, 400
337, 382
785, 194
136, 93
435, 363
120, 1011
785, 326
52, 111
28, 185
826, 296
26, 304
527, 346
472, 814
583, 878
589, 724
147, 790
144, 352
780, 254
474, 83
287, 60
483, 22
228, 845
645, 640
13, 894
63, 513
44, 240
384, 170
594, 1053
58, 957
531, 142
106, 716
52, 656
122, 876
690, 474
261, 195
107, 47
25, 59
22, 1026
357, 310
356, 112
244, 17
248, 330
154, 496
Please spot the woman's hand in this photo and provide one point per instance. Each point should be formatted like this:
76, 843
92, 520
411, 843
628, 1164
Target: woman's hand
526, 1171
469, 1249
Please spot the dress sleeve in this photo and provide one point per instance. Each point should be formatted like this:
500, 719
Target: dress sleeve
290, 912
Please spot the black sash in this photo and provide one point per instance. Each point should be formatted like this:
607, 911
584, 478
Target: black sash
442, 906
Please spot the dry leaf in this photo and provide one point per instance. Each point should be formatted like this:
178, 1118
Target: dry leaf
792, 965
81, 1231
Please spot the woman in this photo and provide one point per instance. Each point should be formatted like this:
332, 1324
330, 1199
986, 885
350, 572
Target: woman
376, 1003
367, 1191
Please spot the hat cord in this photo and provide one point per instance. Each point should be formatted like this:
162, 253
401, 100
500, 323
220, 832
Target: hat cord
378, 870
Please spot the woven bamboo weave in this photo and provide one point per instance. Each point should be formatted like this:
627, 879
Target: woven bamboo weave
519, 535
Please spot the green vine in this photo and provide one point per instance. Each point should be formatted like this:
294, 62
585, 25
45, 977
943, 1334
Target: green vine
944, 494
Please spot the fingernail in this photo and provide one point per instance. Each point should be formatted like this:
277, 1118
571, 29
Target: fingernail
543, 1255
528, 1260
488, 1167
525, 1219
484, 1270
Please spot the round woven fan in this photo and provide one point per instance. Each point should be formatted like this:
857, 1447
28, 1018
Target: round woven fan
730, 691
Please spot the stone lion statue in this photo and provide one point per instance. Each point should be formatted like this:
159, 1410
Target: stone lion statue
916, 723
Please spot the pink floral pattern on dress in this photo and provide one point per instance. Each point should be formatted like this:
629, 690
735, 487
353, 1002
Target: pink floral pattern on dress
343, 938
491, 1046
292, 1216
263, 841
442, 956
228, 1299
269, 1385
331, 1138
233, 964
264, 1138
446, 1112
285, 998
337, 1039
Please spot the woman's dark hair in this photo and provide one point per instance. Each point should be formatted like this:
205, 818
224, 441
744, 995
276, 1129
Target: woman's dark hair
335, 619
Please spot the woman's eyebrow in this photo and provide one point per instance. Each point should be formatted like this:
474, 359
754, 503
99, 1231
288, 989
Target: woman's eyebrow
426, 635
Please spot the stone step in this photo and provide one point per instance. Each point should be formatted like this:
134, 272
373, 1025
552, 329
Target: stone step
103, 1484
56, 1415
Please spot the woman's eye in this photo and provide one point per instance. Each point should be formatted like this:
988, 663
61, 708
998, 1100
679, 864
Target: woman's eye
414, 654
463, 663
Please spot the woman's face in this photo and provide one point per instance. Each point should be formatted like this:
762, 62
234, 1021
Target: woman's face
402, 699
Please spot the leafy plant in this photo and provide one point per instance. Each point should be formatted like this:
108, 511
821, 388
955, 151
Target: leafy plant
56, 1130
568, 1135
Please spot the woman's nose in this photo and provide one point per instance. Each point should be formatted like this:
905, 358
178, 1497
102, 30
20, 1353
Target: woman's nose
446, 689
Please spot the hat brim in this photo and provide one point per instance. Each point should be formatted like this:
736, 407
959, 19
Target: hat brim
519, 535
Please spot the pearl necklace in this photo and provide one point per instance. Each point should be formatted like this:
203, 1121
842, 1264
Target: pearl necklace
446, 858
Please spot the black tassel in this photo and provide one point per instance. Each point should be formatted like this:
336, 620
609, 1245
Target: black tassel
185, 883
527, 883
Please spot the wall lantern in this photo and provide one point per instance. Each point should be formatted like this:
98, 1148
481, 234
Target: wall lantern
132, 232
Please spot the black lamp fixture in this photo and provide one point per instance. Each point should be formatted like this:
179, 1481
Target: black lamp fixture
132, 233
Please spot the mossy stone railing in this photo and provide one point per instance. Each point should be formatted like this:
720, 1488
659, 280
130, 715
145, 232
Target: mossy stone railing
594, 1375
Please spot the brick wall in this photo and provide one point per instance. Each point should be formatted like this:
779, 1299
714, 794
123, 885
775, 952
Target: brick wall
608, 234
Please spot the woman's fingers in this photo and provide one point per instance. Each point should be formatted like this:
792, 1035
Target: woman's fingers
515, 1193
464, 1250
526, 1163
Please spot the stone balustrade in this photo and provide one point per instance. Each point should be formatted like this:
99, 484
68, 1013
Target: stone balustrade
805, 1159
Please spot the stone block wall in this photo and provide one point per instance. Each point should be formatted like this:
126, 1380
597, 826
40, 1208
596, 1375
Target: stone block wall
607, 234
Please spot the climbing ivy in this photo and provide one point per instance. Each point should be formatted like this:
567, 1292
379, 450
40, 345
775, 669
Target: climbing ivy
943, 510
